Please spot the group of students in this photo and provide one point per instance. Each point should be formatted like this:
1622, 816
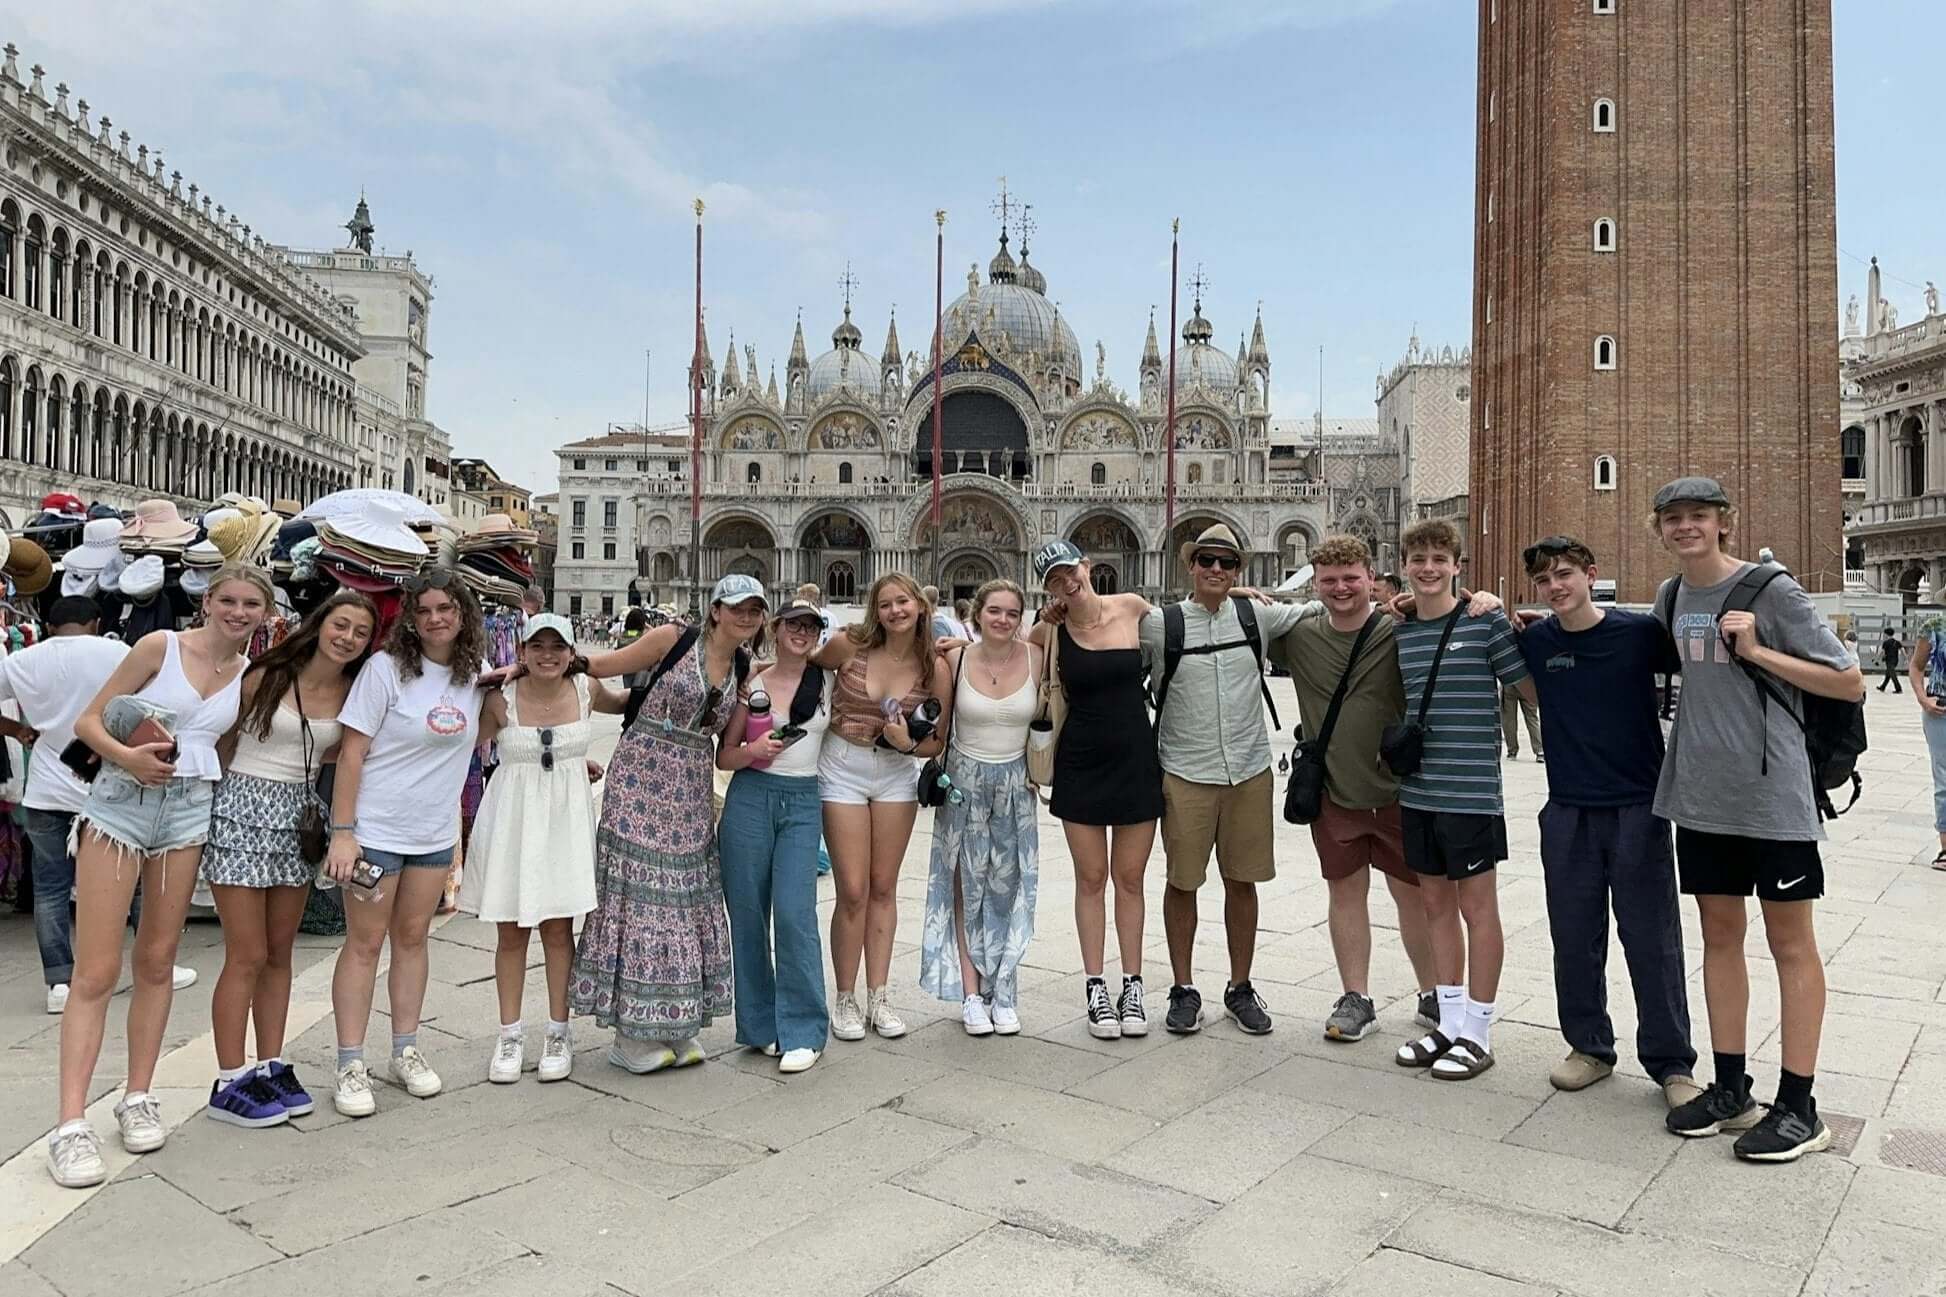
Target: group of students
687, 917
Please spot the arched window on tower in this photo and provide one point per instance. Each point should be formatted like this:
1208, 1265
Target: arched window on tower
1604, 235
1604, 6
1604, 472
1604, 115
1098, 473
844, 473
1604, 352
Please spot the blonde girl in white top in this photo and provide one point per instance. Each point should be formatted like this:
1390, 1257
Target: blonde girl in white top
286, 730
986, 846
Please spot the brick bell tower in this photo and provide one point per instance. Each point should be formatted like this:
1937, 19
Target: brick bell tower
1654, 281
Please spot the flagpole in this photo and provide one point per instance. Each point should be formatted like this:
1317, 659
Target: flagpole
1169, 426
696, 436
938, 368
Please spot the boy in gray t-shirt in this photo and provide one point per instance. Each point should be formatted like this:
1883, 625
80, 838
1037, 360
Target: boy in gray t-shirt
1736, 782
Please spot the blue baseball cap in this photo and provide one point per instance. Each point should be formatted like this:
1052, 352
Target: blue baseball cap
739, 588
1053, 556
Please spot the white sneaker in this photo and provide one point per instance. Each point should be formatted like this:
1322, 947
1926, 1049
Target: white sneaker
183, 978
410, 1069
847, 1023
354, 1095
557, 1058
1006, 1020
140, 1117
688, 1051
57, 998
74, 1156
509, 1056
973, 1013
797, 1060
885, 1021
640, 1056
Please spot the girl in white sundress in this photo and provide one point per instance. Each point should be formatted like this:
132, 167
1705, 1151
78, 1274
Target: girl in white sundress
533, 858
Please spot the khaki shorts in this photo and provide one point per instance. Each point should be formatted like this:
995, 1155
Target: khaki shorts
1348, 841
1232, 820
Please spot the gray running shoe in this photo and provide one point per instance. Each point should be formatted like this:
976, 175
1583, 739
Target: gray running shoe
1352, 1018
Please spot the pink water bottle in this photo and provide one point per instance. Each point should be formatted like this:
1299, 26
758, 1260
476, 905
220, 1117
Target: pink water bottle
759, 723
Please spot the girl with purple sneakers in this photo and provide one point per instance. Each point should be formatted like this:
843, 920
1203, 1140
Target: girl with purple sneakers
287, 728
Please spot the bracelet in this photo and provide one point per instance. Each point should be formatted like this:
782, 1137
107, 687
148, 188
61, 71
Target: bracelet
345, 828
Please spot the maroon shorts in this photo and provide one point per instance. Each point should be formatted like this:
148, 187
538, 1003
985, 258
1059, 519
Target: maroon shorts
1348, 841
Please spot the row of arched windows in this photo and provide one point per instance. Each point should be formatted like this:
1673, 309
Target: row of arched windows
93, 432
82, 286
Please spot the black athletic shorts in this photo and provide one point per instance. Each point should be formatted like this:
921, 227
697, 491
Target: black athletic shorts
1724, 864
1449, 844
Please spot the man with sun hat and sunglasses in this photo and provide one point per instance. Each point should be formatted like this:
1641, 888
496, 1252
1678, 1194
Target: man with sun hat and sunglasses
1204, 658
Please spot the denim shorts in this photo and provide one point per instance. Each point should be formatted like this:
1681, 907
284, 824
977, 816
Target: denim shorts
142, 820
393, 862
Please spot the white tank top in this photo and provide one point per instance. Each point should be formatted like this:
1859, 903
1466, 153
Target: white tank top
281, 756
200, 721
992, 730
801, 757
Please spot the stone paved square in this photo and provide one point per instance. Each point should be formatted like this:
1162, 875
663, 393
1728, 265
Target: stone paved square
1050, 1162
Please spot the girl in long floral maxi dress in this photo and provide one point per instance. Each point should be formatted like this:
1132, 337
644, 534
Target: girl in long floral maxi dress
654, 956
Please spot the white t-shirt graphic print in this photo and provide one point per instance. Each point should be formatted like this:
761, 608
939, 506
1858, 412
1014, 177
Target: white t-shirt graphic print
423, 733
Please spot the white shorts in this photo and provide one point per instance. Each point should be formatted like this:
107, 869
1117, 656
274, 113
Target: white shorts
853, 776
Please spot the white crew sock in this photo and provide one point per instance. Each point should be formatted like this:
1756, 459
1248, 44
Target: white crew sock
225, 1075
1479, 1022
557, 1028
512, 1030
1452, 1011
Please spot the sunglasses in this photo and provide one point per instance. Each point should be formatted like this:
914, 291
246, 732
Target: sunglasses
438, 578
711, 701
547, 748
1227, 562
1551, 547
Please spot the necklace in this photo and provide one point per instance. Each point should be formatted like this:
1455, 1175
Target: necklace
1075, 623
993, 676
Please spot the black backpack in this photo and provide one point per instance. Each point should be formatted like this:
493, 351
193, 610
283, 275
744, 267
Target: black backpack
1834, 728
1173, 650
677, 652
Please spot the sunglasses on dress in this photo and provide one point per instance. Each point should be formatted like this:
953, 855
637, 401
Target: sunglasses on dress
547, 748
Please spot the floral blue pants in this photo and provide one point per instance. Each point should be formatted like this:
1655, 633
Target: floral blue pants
991, 841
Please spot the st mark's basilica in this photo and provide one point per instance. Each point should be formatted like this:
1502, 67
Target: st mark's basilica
827, 480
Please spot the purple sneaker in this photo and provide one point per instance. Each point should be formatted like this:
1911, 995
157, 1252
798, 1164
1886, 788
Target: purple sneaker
247, 1101
290, 1092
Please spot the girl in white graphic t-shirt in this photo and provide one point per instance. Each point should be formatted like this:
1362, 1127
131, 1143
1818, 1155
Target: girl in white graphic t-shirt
409, 730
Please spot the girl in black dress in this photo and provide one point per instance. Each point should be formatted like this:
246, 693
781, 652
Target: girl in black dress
1106, 774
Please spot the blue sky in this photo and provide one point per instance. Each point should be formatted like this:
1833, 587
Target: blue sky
539, 161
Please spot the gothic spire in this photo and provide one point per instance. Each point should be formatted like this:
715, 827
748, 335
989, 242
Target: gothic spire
892, 354
1151, 354
1259, 352
798, 359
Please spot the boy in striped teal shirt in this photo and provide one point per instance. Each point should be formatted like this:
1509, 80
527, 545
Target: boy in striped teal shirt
1451, 806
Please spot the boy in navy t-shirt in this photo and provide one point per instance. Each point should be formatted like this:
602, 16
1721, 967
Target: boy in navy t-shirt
1601, 841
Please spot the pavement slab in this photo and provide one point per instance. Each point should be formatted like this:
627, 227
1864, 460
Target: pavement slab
143, 1235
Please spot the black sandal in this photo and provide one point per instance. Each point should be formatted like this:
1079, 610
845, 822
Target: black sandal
1464, 1061
1423, 1052
1939, 861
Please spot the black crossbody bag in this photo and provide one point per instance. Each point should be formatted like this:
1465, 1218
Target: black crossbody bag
1304, 794
1404, 745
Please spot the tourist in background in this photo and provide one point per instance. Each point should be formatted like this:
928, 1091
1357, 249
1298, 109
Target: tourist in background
654, 957
1928, 671
409, 727
146, 819
287, 729
533, 862
1106, 775
985, 847
886, 671
1889, 649
769, 842
51, 682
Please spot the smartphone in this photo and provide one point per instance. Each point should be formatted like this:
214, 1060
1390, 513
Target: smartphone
82, 760
151, 730
366, 874
788, 735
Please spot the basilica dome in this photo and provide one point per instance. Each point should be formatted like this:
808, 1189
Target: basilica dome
1197, 359
845, 365
1004, 305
